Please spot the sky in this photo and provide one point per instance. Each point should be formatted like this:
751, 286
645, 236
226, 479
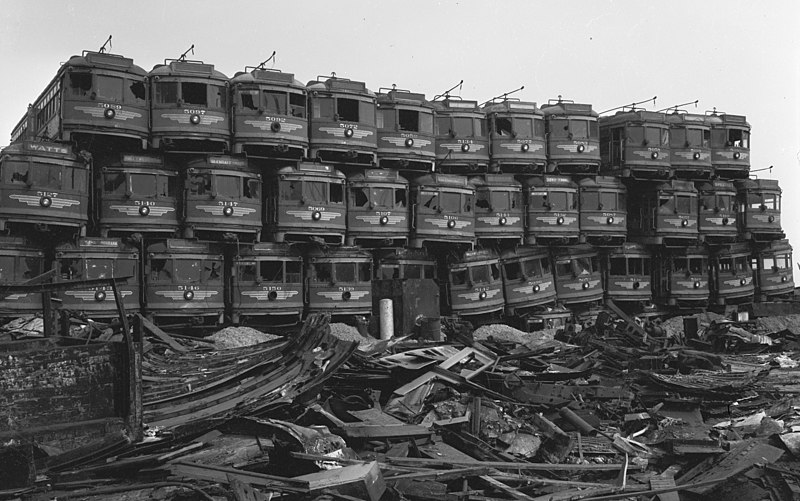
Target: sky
740, 57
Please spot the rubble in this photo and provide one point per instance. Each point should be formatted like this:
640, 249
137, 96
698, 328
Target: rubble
621, 409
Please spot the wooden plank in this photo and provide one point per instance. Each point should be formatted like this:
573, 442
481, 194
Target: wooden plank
364, 481
160, 334
501, 465
220, 474
243, 492
514, 493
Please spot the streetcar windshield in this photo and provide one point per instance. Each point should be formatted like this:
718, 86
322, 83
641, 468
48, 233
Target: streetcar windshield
144, 184
46, 176
109, 88
275, 102
383, 198
523, 127
229, 186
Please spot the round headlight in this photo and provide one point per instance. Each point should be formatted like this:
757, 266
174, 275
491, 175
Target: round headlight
272, 296
482, 295
743, 282
536, 288
585, 285
771, 219
275, 127
610, 220
100, 296
725, 221
195, 119
696, 155
228, 210
685, 222
502, 221
654, 155
144, 210
384, 220
316, 216
451, 223
188, 295
348, 132
736, 155
409, 142
581, 148
697, 285
46, 202
465, 147
784, 279
636, 285
525, 147
560, 220
346, 295
109, 113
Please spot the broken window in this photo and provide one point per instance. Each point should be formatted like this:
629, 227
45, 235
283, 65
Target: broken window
563, 268
187, 270
297, 105
408, 120
114, 183
383, 198
99, 268
275, 102
291, 190
212, 271
430, 200
400, 197
359, 197
482, 200
30, 267
618, 266
166, 93
80, 83
200, 183
271, 271
293, 272
364, 272
159, 271
109, 88
336, 193
246, 272
249, 99
537, 200
503, 127
252, 188
15, 172
135, 93
389, 271
347, 109
322, 273
194, 93
458, 277
738, 138
512, 270
71, 268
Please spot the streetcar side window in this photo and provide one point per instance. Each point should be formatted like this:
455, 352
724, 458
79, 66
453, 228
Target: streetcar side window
135, 93
359, 197
297, 105
400, 198
323, 107
7, 269
426, 122
15, 172
458, 277
80, 83
71, 268
212, 271
364, 272
166, 92
293, 272
337, 193
249, 99
159, 271
252, 189
512, 270
246, 272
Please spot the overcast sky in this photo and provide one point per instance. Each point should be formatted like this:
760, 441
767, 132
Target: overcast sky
740, 57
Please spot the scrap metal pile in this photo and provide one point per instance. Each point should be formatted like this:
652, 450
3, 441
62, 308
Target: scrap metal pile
694, 408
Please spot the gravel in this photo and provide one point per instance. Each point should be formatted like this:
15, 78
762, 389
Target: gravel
346, 332
506, 333
236, 337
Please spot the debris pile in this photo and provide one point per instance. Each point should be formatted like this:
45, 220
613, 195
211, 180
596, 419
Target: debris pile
620, 409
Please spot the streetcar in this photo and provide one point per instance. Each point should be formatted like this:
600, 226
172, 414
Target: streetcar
305, 202
341, 124
404, 264
635, 143
222, 197
551, 210
717, 212
92, 258
730, 145
499, 211
573, 137
681, 277
603, 211
442, 207
269, 114
759, 202
690, 147
266, 285
663, 213
772, 262
96, 101
472, 285
576, 270
184, 283
45, 186
528, 282
517, 136
731, 274
189, 107
627, 274
20, 262
405, 131
138, 193
377, 209
338, 280
462, 140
